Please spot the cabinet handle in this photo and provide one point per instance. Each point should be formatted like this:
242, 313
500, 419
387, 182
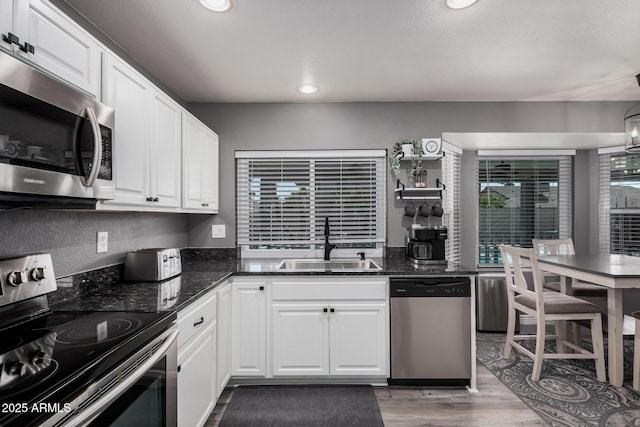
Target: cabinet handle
333, 310
261, 288
324, 310
149, 199
11, 38
155, 199
27, 48
200, 322
179, 367
206, 205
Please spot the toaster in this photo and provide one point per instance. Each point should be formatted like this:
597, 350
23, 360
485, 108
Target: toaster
154, 264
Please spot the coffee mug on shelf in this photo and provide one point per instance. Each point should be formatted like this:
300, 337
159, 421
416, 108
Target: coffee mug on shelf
436, 209
424, 210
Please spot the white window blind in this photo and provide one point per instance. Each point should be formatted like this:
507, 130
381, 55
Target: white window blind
520, 200
624, 202
451, 202
283, 200
604, 203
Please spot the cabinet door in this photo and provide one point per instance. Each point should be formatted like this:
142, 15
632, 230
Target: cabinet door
224, 338
166, 151
249, 329
6, 23
300, 339
359, 344
129, 94
197, 378
61, 46
193, 140
210, 171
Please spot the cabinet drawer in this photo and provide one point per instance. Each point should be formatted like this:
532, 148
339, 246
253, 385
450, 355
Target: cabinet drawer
330, 290
196, 317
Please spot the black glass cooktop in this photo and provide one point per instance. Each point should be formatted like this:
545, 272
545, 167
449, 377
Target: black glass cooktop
49, 358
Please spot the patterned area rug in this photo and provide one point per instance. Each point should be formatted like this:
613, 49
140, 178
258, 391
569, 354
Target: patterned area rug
568, 393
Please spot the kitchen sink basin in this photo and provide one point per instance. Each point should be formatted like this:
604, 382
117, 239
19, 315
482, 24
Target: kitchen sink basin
336, 265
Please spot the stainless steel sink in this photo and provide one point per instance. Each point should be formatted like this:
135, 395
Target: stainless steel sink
345, 265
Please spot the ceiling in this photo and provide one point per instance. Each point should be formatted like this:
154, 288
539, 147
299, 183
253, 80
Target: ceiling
377, 50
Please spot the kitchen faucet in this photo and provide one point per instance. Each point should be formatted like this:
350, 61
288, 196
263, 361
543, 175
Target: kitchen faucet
327, 246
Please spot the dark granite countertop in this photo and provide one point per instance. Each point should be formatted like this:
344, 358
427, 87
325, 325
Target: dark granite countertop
201, 275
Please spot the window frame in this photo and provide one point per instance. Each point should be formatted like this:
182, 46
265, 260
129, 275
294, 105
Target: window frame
317, 250
605, 210
565, 204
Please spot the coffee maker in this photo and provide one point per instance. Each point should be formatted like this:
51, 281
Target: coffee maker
425, 245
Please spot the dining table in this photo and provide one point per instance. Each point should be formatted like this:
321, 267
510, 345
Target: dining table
615, 272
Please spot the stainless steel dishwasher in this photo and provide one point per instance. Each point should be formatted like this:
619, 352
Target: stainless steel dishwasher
430, 331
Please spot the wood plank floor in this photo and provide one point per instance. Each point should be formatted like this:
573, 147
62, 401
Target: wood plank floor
493, 405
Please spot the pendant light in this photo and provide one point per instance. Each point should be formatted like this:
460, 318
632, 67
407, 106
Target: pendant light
632, 127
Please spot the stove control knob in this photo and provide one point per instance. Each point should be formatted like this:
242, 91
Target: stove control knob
16, 368
16, 278
38, 274
37, 357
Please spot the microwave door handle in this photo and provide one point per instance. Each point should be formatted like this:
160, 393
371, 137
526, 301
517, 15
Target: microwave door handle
96, 408
97, 148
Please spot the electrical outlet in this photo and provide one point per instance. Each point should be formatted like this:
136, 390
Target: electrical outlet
218, 231
102, 242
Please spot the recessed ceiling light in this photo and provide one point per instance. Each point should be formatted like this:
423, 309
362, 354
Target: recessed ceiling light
307, 89
217, 5
459, 4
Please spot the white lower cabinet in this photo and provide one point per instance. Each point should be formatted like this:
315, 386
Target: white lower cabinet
204, 355
223, 366
330, 338
197, 391
358, 339
305, 326
300, 339
249, 328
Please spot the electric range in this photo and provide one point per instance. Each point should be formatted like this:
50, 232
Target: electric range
52, 361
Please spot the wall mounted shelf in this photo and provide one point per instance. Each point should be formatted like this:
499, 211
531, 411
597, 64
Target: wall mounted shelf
419, 193
425, 157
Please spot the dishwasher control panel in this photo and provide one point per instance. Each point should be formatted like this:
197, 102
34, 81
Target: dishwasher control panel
430, 287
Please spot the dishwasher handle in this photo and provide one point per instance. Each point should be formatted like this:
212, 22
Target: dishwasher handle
430, 288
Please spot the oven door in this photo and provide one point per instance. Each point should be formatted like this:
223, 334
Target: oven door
54, 141
140, 391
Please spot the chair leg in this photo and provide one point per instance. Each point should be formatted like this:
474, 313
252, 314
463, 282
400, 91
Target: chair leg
598, 348
511, 329
577, 329
539, 354
636, 357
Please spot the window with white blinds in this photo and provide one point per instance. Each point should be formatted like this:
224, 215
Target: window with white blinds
619, 179
521, 199
283, 199
451, 201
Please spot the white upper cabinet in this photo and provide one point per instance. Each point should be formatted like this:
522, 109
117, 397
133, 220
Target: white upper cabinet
147, 141
166, 152
130, 96
200, 166
36, 32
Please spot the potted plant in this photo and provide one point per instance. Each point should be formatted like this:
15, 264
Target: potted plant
396, 155
408, 147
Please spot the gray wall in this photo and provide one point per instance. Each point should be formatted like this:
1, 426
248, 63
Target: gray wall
70, 237
380, 125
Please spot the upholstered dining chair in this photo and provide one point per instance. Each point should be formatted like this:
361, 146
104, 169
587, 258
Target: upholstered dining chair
545, 306
566, 247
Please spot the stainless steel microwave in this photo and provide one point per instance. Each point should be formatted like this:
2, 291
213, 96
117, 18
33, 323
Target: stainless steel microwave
56, 143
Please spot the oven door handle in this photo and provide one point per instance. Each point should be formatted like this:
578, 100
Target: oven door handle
95, 409
97, 148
